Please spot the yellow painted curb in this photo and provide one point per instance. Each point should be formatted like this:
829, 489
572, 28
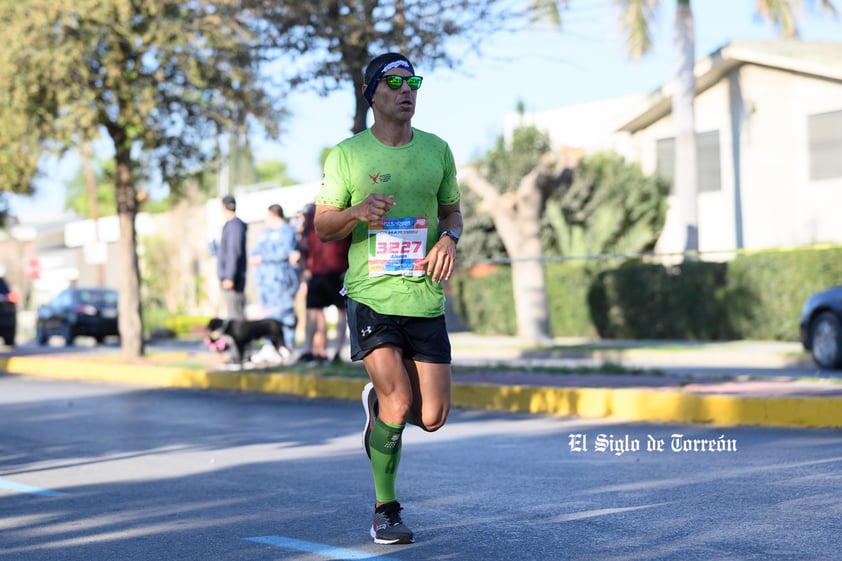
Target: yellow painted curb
655, 405
622, 404
169, 377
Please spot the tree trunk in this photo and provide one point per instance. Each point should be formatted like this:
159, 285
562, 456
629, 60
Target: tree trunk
517, 217
360, 108
131, 322
530, 294
528, 278
686, 164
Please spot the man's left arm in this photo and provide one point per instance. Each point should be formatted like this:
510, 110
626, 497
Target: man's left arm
441, 259
450, 219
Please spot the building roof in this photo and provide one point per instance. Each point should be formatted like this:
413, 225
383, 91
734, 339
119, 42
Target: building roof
819, 59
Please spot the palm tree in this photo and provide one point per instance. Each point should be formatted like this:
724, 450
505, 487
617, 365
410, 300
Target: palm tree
637, 17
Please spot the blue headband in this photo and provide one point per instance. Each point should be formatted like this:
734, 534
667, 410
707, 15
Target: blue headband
372, 84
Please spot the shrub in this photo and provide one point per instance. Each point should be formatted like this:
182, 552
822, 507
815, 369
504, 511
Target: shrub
757, 295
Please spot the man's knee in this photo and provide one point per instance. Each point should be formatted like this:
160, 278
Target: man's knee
394, 407
432, 422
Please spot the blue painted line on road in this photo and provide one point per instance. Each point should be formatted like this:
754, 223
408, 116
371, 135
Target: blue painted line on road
324, 550
29, 490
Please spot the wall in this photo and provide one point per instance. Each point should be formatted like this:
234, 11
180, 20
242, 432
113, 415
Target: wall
787, 209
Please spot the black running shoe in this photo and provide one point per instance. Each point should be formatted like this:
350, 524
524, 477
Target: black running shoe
369, 398
387, 527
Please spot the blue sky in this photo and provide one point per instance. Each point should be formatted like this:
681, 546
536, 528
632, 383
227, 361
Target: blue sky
546, 69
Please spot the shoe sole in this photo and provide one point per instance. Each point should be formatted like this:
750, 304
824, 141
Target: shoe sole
396, 541
369, 420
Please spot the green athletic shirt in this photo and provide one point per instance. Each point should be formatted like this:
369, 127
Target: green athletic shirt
421, 175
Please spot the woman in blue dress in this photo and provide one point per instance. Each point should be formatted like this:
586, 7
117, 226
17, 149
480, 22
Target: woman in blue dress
276, 276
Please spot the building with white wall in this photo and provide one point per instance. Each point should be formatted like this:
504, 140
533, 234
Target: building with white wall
769, 133
769, 138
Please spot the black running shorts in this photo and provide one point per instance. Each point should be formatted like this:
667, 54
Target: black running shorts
422, 339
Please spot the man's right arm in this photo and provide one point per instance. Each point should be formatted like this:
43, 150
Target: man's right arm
334, 223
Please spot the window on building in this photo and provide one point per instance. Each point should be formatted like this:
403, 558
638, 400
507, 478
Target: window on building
825, 137
665, 166
709, 171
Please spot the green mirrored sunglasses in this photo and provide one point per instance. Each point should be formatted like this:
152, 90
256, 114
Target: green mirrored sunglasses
395, 82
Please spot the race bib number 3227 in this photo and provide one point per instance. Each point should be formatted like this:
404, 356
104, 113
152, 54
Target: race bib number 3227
397, 247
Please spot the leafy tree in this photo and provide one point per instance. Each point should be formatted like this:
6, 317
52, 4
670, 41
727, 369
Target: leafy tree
505, 165
21, 144
609, 207
535, 203
160, 78
274, 171
516, 206
77, 197
332, 41
241, 168
4, 210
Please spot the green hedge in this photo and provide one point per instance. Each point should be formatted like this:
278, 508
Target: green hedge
485, 302
186, 325
756, 295
779, 283
156, 319
567, 292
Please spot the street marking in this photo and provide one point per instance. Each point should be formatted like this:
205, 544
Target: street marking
328, 551
29, 490
599, 512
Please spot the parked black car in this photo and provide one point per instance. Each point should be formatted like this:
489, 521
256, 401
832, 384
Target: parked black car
8, 313
820, 327
78, 311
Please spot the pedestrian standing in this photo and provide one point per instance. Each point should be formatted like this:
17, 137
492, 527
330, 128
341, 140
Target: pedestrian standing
323, 269
276, 278
393, 188
231, 260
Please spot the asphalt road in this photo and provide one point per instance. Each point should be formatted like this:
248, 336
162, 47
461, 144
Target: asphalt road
92, 472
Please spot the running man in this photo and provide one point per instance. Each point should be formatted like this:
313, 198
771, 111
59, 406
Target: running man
393, 188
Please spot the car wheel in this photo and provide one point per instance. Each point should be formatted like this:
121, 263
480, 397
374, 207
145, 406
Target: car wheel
40, 335
99, 339
67, 333
9, 339
826, 337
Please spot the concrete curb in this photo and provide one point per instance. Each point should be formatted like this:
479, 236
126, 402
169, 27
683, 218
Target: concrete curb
655, 405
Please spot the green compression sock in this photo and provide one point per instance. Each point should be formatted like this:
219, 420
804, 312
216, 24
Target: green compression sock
385, 444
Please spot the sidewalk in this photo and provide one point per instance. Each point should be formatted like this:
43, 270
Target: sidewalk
635, 381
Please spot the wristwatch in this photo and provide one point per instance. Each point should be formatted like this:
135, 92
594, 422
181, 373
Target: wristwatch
450, 234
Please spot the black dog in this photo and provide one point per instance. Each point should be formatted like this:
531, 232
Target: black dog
242, 334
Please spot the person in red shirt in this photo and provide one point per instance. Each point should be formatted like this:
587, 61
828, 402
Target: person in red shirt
323, 269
